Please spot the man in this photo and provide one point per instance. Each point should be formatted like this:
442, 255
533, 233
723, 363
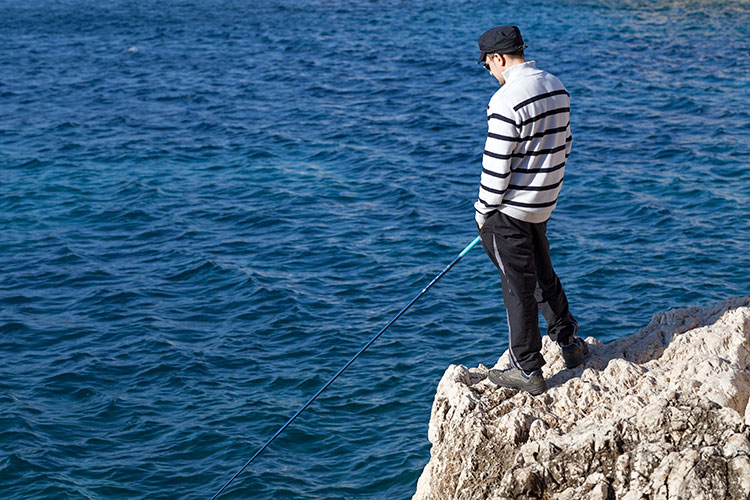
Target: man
527, 145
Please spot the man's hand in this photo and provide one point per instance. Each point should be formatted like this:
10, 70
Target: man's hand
480, 220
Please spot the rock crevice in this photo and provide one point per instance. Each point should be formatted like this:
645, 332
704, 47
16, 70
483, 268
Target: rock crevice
661, 414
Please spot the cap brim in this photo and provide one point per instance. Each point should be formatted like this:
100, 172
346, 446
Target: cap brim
482, 58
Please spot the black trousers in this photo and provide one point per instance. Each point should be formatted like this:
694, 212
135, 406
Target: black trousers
520, 251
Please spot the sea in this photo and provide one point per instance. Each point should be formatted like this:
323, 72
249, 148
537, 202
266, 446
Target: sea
208, 207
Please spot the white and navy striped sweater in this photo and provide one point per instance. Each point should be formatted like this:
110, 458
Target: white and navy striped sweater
528, 141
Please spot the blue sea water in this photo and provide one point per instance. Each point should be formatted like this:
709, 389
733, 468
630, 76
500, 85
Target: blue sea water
208, 207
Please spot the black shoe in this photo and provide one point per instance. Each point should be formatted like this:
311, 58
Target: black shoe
574, 352
516, 379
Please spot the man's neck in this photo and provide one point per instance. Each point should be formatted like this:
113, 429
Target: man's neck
511, 63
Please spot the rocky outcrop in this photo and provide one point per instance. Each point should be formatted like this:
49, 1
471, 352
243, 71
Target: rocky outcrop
662, 414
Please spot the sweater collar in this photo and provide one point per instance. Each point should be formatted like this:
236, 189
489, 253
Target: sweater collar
519, 70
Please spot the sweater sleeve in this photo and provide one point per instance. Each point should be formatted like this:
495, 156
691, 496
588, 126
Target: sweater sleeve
568, 142
502, 141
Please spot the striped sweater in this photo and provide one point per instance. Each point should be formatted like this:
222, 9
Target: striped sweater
528, 141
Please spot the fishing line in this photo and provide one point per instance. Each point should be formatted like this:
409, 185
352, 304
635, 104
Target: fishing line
372, 340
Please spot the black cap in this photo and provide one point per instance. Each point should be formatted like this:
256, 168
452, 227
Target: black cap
503, 39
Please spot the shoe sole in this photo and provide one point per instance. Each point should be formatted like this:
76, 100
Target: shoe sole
534, 391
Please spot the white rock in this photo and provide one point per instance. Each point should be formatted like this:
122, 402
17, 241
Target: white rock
739, 477
736, 444
662, 413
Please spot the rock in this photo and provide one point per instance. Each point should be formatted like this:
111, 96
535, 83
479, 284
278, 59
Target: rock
661, 414
738, 477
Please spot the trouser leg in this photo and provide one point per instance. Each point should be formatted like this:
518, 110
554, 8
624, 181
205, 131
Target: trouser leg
510, 245
553, 304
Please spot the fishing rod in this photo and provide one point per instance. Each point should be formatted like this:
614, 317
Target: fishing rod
354, 358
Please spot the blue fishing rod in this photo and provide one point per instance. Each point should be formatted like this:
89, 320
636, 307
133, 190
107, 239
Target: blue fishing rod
372, 340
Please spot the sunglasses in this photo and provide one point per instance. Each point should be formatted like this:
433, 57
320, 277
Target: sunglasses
487, 65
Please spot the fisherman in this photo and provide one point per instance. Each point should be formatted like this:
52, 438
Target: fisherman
528, 142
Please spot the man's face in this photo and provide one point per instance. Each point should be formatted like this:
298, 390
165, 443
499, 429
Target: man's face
496, 63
